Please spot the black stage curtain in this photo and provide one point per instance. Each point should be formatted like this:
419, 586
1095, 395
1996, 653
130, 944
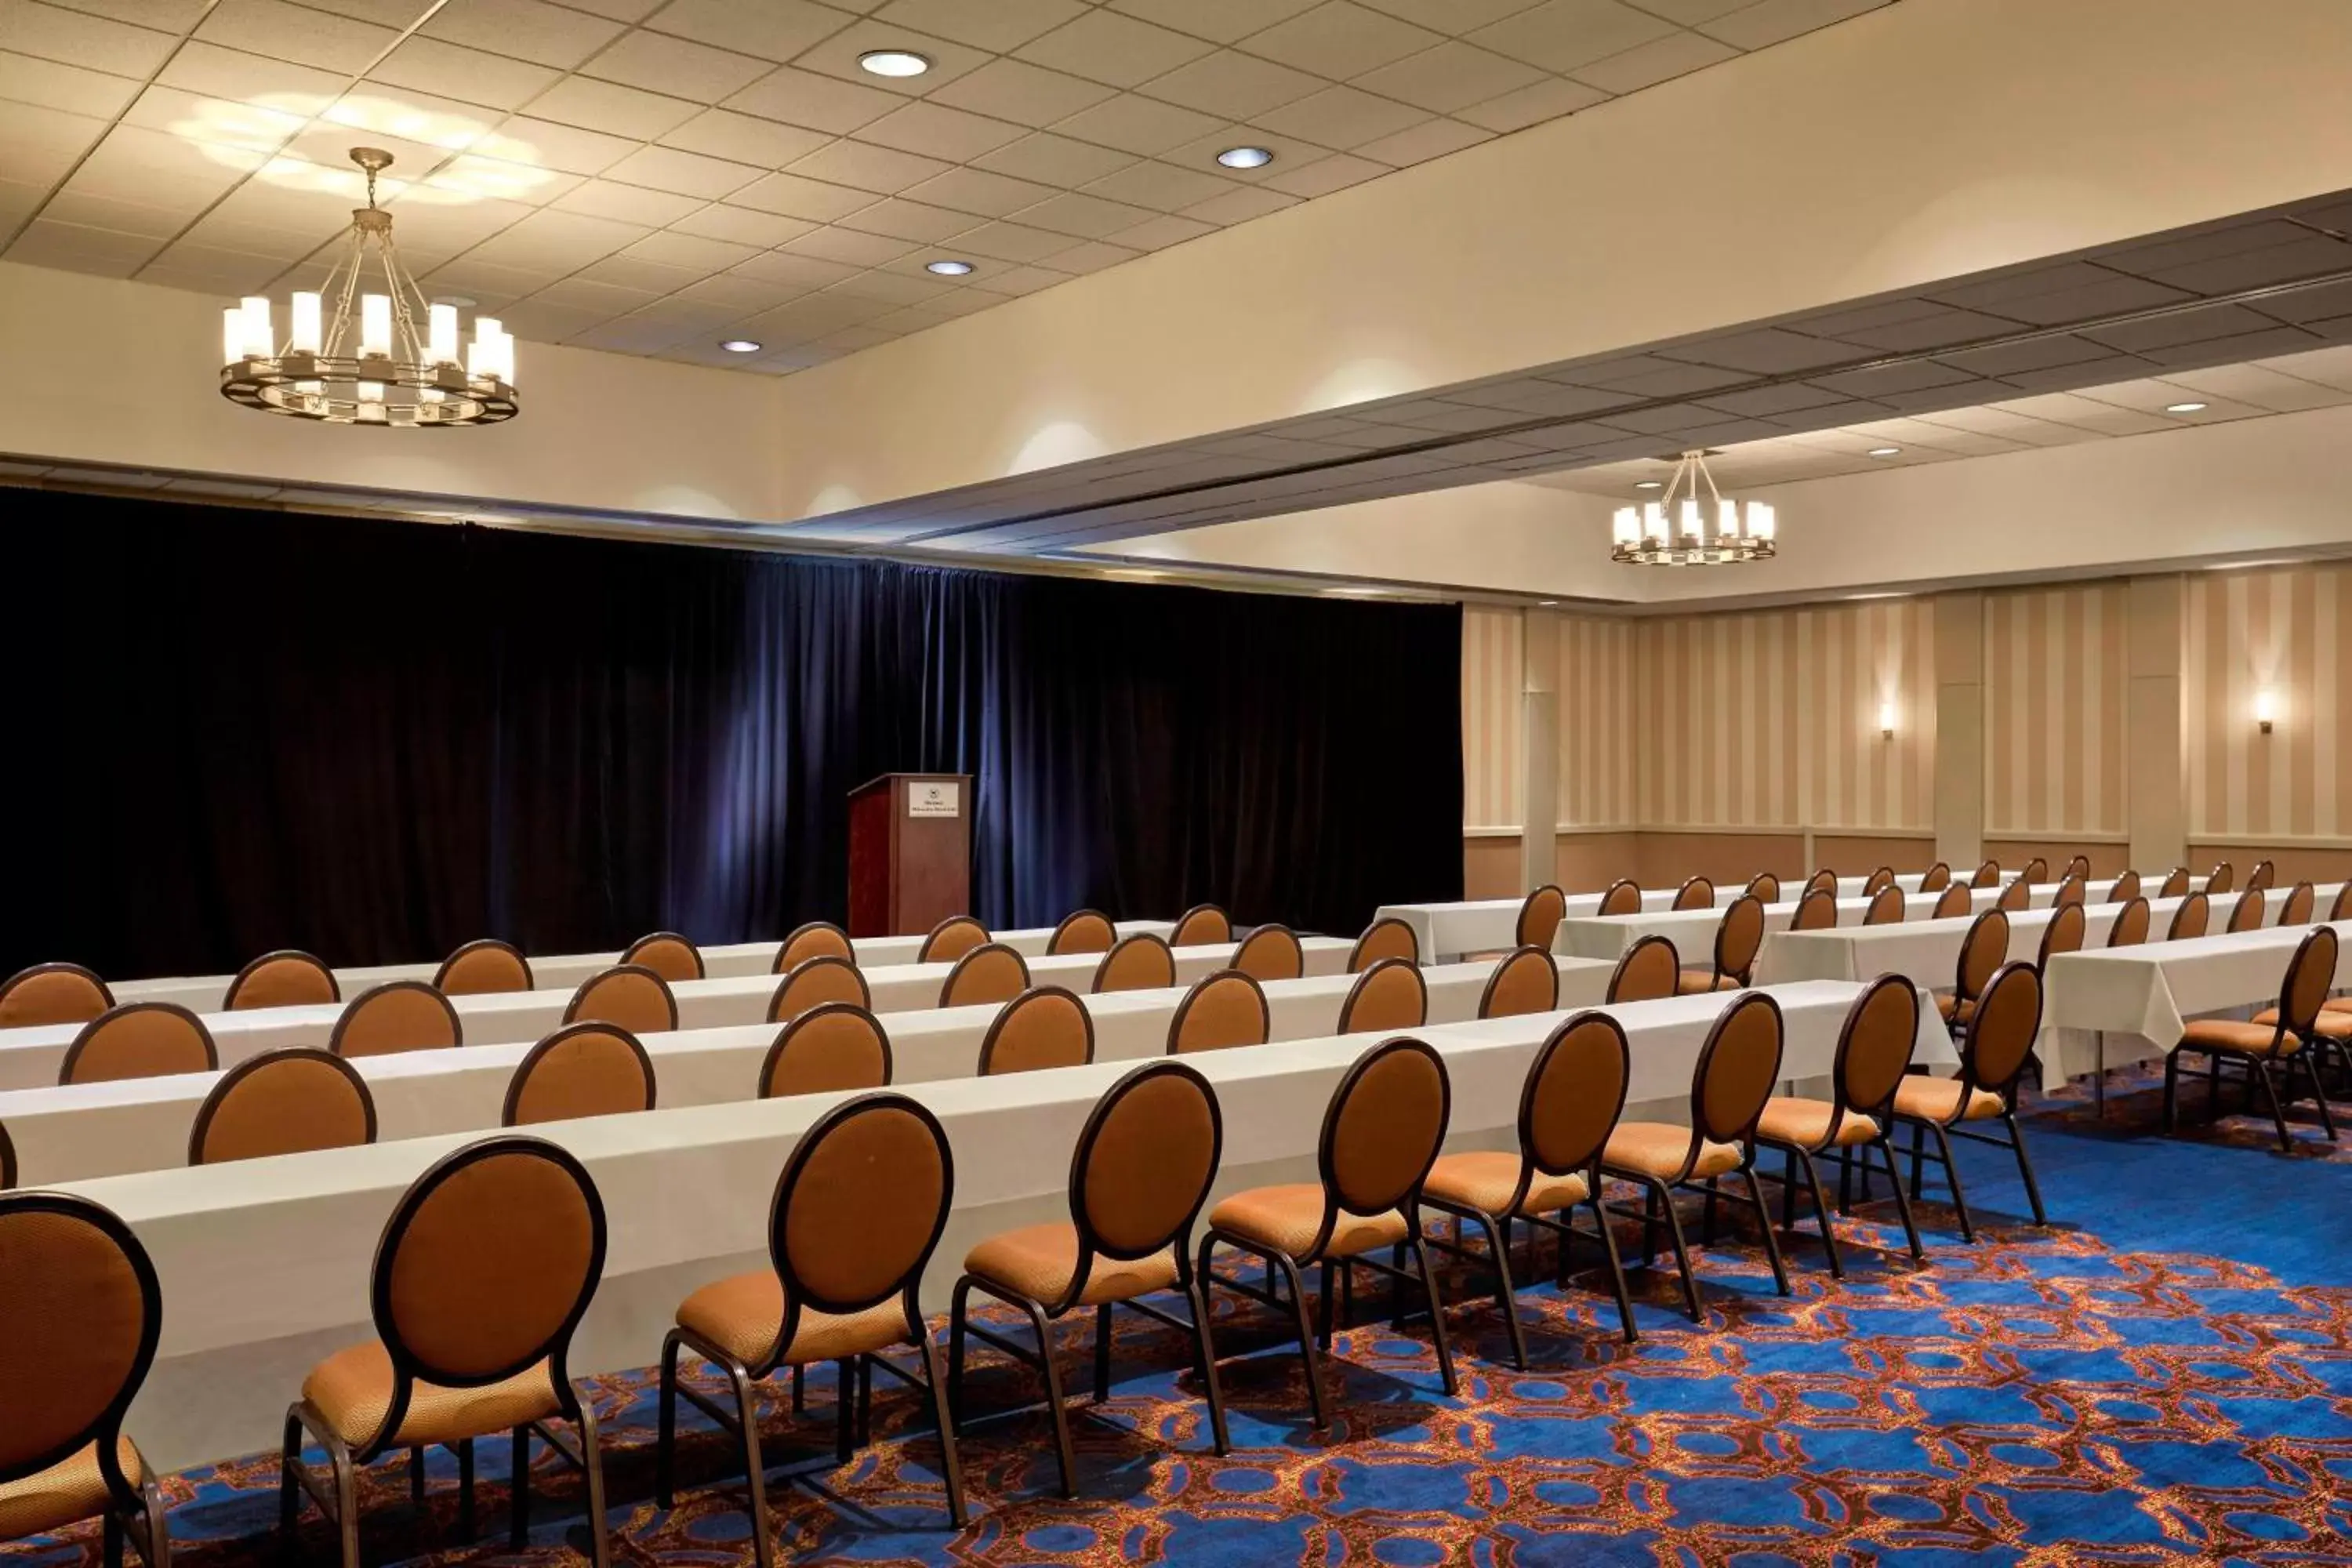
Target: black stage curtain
373, 739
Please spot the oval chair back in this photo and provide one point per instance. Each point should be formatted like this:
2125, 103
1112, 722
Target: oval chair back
2300, 899
397, 1016
1388, 996
1766, 887
814, 938
1739, 934
2246, 914
1955, 902
635, 998
1271, 952
814, 982
1225, 1009
483, 967
2071, 891
1387, 938
2079, 866
1139, 963
7, 1162
667, 954
139, 1039
1382, 1132
52, 994
2175, 884
2036, 870
1816, 910
289, 1102
286, 978
1085, 931
2124, 889
1823, 880
951, 938
1143, 1168
2191, 918
2223, 878
1936, 878
581, 1069
1874, 1050
1574, 1094
484, 1269
1697, 893
2263, 875
1737, 1069
1623, 897
1880, 880
858, 1211
1526, 980
2018, 895
989, 973
2310, 977
1982, 952
1202, 925
2063, 933
1987, 874
1044, 1027
833, 1047
2130, 928
1648, 971
1540, 913
2000, 1033
2341, 909
1887, 907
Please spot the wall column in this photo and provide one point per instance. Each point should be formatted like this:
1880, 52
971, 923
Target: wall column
1538, 749
2155, 805
1959, 730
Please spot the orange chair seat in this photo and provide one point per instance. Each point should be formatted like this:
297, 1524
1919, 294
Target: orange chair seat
1485, 1180
1936, 1099
2333, 1023
352, 1390
743, 1315
2238, 1039
65, 1493
1285, 1219
1806, 1123
1658, 1148
1957, 1009
1039, 1261
1699, 982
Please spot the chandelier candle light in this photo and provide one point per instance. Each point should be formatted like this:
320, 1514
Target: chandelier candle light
1641, 536
352, 357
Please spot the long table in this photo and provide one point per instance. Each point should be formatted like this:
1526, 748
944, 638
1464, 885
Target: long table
79, 1131
1693, 931
265, 1263
564, 972
31, 1056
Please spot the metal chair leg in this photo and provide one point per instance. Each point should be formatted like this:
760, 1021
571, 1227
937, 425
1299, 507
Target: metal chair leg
1306, 1353
747, 1412
2171, 1089
1616, 1265
519, 1492
1681, 1249
2307, 1059
1436, 1311
951, 1462
1886, 1146
959, 1306
1208, 1353
1102, 1353
666, 1433
1764, 1223
1821, 1215
1506, 1301
1952, 1174
2270, 1092
1062, 1450
466, 1488
2025, 1168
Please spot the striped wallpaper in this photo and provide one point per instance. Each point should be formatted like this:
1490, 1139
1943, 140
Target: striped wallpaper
1599, 760
1492, 649
2245, 632
2056, 685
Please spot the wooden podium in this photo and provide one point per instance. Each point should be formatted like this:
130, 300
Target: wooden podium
909, 853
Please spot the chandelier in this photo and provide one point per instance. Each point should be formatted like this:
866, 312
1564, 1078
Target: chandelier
352, 357
1641, 536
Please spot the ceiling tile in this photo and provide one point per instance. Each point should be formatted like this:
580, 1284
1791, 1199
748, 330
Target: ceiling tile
250, 78
610, 107
487, 283
868, 167
548, 35
1340, 40
1430, 139
980, 192
675, 65
1158, 233
1106, 47
1016, 90
1010, 242
295, 33
939, 132
630, 203
892, 288
837, 56
637, 272
731, 292
794, 196
1342, 117
773, 30
541, 321
473, 75
1531, 106
998, 25
397, 14
1676, 53
47, 243
685, 173
1091, 256
196, 118
820, 102
847, 246
1561, 35
1233, 84
544, 143
73, 204
77, 38
1690, 13
1451, 76
902, 219
745, 138
741, 225
1321, 177
549, 240
1163, 187
576, 293
154, 169
1452, 17
1290, 153
1240, 206
784, 267
625, 10
175, 16
1084, 217
52, 84
1225, 21
1770, 21
1053, 160
1142, 126
692, 252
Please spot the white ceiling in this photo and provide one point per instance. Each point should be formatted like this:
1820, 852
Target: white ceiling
651, 176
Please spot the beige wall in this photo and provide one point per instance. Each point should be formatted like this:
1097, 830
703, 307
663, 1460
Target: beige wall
1492, 721
2056, 685
2245, 632
1600, 759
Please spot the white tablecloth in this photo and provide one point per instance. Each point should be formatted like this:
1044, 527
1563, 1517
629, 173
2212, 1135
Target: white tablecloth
265, 1263
1491, 925
564, 972
31, 1058
1693, 931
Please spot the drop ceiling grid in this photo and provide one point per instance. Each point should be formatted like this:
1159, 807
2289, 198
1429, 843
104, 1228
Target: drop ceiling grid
649, 176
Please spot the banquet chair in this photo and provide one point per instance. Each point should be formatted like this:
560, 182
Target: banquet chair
1955, 902
2017, 896
2037, 870
1202, 925
2175, 884
834, 1045
2223, 878
2341, 909
484, 1272
1540, 913
2062, 933
2079, 866
814, 938
397, 1016
1737, 936
52, 994
80, 1312
951, 938
1388, 996
1391, 938
2190, 918
1271, 952
857, 1212
1993, 1051
635, 998
1139, 963
1045, 1027
2124, 889
1823, 880
139, 1039
482, 967
1697, 893
7, 1162
2246, 914
1764, 887
667, 954
1874, 1052
1936, 878
989, 973
1982, 950
1737, 1069
2130, 928
2071, 891
1987, 874
2301, 901
813, 982
1878, 882
2265, 876
1649, 971
1224, 1009
1142, 1170
1574, 1093
1086, 931
1887, 907
581, 1069
2280, 1034
1527, 980
1623, 897
289, 1102
286, 978
1381, 1132
1816, 910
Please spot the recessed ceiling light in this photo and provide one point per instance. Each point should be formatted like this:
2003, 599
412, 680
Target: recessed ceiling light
948, 269
1649, 484
2184, 408
1886, 451
1245, 157
740, 346
1547, 604
459, 300
894, 62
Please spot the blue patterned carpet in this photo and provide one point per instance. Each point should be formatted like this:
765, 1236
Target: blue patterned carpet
2163, 1375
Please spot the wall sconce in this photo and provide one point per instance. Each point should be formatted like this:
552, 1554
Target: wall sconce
2265, 709
1886, 721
